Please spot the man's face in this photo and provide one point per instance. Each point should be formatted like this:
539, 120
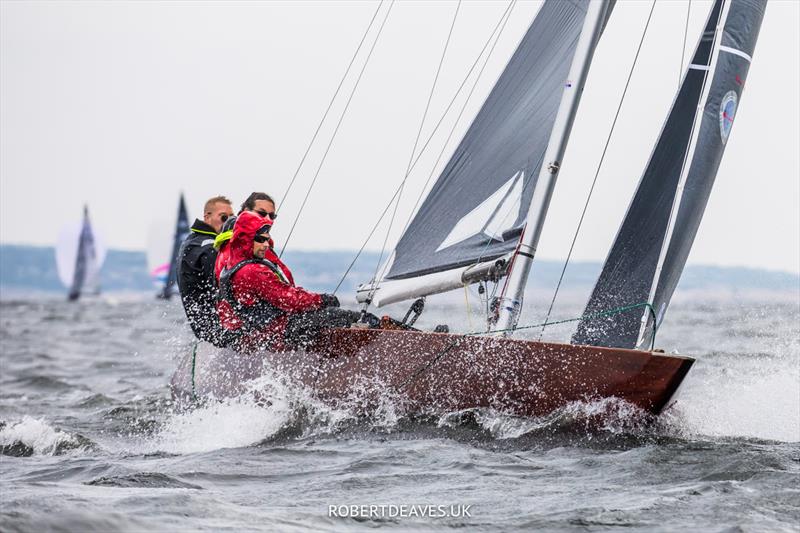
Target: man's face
260, 248
219, 213
263, 207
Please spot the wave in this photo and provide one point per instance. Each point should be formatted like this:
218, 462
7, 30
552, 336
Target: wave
147, 480
34, 436
274, 408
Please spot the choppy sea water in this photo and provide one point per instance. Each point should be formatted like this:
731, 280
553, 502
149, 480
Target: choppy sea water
92, 442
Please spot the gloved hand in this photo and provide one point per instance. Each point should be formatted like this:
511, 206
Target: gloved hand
329, 300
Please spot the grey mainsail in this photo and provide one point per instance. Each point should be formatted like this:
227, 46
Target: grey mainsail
476, 210
85, 274
181, 231
637, 269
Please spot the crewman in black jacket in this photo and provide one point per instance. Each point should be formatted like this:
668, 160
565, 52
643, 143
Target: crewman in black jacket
196, 272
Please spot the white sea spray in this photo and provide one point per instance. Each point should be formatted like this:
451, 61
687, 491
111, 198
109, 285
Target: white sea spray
37, 435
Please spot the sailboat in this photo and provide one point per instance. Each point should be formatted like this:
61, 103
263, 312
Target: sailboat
481, 222
162, 253
79, 257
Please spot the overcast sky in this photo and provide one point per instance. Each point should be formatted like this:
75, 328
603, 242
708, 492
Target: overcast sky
124, 104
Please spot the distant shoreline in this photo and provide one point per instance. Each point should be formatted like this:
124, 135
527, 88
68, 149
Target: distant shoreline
32, 269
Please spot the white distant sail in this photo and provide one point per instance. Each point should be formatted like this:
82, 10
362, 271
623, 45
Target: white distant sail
80, 254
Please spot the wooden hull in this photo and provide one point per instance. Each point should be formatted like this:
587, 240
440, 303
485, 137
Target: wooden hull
445, 372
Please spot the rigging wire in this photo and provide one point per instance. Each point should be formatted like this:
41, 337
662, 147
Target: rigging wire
330, 104
683, 49
597, 172
507, 15
411, 157
504, 20
500, 25
336, 129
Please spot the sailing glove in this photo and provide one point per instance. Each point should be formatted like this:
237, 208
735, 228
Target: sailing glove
329, 300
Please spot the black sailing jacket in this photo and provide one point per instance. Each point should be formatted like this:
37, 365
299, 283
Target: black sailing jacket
197, 284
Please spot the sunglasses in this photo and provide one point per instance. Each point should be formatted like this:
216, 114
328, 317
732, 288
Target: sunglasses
264, 214
261, 238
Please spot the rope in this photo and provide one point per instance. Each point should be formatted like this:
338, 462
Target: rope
469, 309
336, 129
413, 151
435, 129
194, 359
597, 172
330, 104
591, 316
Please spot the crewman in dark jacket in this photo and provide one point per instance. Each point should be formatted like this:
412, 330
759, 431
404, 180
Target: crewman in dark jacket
196, 273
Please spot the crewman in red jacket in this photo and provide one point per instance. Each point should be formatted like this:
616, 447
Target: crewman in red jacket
261, 204
258, 298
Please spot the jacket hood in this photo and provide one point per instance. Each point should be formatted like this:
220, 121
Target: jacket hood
245, 229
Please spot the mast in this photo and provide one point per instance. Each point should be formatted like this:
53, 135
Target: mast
510, 303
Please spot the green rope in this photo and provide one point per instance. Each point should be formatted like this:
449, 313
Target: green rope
194, 359
591, 316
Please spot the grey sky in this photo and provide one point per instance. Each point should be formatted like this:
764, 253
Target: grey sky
124, 104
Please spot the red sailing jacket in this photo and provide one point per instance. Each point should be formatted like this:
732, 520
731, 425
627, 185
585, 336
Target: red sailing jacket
257, 282
224, 252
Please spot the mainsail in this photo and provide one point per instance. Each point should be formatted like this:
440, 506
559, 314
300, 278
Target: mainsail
650, 250
475, 212
79, 257
181, 231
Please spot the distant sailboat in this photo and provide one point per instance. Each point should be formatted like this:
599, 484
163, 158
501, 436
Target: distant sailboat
79, 256
162, 254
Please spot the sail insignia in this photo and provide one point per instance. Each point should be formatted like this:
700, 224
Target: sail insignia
727, 112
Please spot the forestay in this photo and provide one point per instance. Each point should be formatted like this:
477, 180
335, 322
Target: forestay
650, 250
476, 210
